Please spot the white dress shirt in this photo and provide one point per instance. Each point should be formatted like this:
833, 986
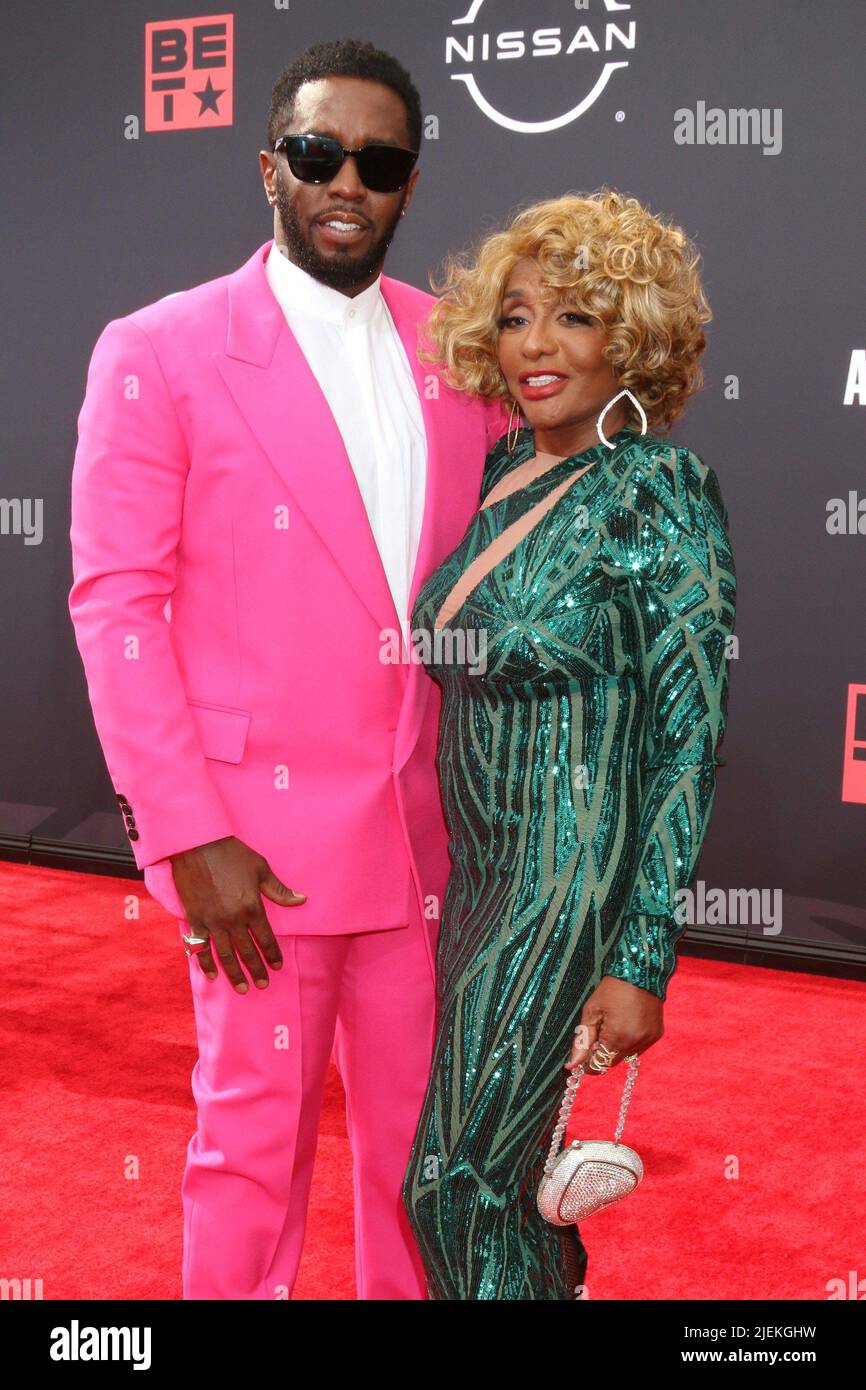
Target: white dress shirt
359, 361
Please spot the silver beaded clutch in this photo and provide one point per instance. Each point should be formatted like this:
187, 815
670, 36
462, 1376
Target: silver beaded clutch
590, 1173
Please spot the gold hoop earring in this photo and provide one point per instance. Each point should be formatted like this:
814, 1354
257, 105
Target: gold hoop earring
509, 442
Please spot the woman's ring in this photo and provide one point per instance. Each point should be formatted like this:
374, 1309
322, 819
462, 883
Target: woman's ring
601, 1058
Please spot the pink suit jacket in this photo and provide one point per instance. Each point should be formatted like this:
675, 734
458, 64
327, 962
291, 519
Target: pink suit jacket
229, 603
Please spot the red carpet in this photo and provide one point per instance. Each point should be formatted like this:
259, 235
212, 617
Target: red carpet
757, 1073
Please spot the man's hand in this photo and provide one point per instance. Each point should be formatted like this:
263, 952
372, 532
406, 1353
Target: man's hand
220, 885
622, 1016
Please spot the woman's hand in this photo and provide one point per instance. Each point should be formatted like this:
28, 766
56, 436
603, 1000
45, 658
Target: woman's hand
622, 1016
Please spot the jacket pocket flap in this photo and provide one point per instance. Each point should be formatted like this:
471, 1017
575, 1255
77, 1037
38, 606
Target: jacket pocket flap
223, 731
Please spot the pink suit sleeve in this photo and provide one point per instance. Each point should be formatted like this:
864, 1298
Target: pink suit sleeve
128, 483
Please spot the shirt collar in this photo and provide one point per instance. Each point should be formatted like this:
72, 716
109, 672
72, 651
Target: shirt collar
295, 289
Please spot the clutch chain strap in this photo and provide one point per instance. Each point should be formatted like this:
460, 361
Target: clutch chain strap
568, 1101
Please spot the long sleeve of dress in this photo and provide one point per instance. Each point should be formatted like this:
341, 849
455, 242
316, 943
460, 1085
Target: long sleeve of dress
683, 598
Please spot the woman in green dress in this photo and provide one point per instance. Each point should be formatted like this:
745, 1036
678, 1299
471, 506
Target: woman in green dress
577, 757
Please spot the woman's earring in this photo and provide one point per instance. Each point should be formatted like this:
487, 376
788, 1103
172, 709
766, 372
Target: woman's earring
509, 442
613, 400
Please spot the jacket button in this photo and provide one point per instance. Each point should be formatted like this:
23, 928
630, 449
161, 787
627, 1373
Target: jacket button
133, 834
120, 796
130, 822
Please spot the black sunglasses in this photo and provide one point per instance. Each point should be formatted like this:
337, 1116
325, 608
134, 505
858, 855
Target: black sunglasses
319, 158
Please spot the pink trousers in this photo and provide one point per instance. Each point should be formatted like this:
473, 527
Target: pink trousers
258, 1086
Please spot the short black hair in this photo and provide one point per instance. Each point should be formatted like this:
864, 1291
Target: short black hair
343, 58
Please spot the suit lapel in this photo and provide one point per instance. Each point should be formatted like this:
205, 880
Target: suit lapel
451, 493
278, 395
406, 323
283, 405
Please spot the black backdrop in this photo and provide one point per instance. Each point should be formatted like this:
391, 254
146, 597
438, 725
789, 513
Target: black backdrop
104, 214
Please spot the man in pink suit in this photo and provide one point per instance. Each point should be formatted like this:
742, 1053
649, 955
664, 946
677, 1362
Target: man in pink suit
265, 476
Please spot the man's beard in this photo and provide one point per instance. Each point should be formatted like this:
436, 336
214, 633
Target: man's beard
342, 271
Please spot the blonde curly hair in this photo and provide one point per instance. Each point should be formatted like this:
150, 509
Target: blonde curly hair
631, 272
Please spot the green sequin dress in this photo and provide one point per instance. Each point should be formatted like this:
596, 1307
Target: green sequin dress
577, 765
